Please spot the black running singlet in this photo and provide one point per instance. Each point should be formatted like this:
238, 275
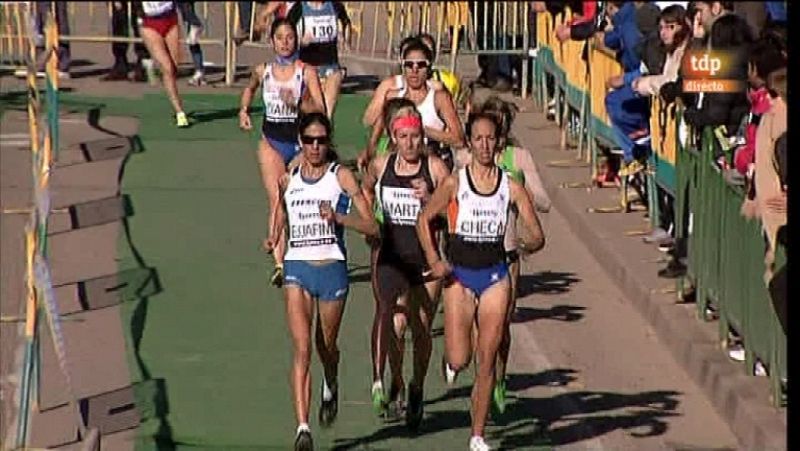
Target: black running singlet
399, 210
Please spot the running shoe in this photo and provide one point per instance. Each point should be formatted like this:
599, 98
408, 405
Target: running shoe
277, 277
198, 79
396, 407
303, 441
328, 408
499, 398
150, 71
476, 443
181, 119
415, 404
378, 399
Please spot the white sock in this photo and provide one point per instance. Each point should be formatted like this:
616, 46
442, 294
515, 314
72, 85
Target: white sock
327, 393
303, 427
377, 385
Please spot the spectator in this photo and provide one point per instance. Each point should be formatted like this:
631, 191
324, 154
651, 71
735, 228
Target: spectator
765, 58
723, 111
195, 27
245, 11
120, 26
628, 112
582, 24
674, 35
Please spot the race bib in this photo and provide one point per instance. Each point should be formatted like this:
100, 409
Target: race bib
323, 29
400, 206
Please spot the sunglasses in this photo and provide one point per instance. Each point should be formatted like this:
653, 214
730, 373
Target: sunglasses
419, 64
309, 140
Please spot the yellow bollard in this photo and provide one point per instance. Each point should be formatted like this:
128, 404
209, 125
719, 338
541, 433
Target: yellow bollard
375, 30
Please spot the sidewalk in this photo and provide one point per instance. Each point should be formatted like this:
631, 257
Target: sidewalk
742, 400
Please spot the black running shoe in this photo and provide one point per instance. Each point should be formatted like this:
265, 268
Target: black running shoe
329, 409
303, 442
414, 408
395, 409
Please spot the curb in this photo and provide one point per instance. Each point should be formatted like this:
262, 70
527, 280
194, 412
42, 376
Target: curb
737, 397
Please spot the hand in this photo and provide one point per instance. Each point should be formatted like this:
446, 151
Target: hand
244, 120
615, 81
562, 32
420, 189
362, 160
440, 269
269, 244
777, 204
326, 212
635, 84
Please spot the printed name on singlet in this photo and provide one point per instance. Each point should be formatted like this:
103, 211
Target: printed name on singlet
400, 205
277, 110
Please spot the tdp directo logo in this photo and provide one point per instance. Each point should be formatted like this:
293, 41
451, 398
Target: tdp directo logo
713, 71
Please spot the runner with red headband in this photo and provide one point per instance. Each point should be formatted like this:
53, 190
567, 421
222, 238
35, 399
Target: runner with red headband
400, 184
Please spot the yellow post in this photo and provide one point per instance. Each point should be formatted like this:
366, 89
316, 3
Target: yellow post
375, 30
228, 45
252, 18
454, 43
440, 12
391, 10
20, 41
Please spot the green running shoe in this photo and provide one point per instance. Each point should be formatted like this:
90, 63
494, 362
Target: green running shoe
499, 397
378, 400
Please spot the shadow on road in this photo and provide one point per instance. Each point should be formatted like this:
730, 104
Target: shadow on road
530, 422
152, 406
568, 313
545, 282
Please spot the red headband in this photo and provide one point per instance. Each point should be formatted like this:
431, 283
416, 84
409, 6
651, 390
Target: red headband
406, 122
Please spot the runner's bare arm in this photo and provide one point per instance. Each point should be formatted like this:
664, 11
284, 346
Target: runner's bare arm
452, 134
375, 107
247, 96
534, 238
533, 182
278, 216
371, 179
256, 75
439, 171
315, 100
436, 206
364, 222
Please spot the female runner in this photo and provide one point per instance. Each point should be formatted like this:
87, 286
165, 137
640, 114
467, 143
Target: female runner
401, 183
318, 25
316, 198
476, 294
284, 85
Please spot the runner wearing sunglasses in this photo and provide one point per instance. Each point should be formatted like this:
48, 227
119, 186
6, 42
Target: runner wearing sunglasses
318, 27
317, 197
442, 127
284, 84
400, 184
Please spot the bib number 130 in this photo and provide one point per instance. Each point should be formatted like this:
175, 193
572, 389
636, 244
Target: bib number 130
323, 31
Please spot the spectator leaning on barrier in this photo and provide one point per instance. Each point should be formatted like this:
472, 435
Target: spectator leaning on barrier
765, 58
582, 24
770, 187
628, 112
723, 111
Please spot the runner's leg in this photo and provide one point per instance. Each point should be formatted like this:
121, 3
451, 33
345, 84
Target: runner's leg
158, 48
330, 90
299, 311
272, 169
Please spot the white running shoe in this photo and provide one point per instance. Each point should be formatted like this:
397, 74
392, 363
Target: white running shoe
736, 353
448, 373
476, 443
198, 79
759, 369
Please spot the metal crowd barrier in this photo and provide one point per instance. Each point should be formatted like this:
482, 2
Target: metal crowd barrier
40, 304
725, 251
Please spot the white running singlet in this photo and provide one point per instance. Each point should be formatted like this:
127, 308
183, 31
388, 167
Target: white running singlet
310, 238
